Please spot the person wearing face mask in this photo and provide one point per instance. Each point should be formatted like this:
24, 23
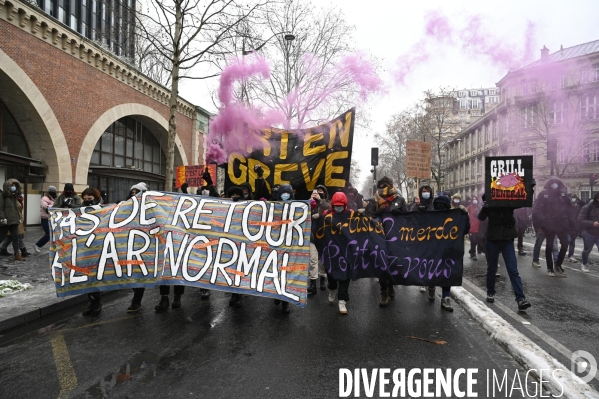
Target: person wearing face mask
68, 198
235, 193
285, 194
91, 197
588, 220
138, 293
10, 216
46, 202
550, 213
575, 230
424, 202
338, 205
473, 211
247, 191
318, 204
456, 201
21, 236
386, 199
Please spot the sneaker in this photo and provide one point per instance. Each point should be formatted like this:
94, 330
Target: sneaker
134, 308
384, 299
523, 305
323, 283
497, 275
312, 289
521, 252
550, 273
473, 257
536, 264
342, 308
431, 294
560, 270
423, 289
490, 298
584, 269
391, 291
37, 249
572, 259
446, 304
332, 296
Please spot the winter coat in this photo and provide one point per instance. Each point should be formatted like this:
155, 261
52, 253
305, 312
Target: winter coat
249, 188
574, 210
550, 211
588, 215
285, 188
522, 217
75, 203
502, 225
319, 208
9, 205
473, 211
425, 204
45, 203
386, 200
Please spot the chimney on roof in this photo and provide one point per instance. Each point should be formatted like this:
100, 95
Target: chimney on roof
544, 53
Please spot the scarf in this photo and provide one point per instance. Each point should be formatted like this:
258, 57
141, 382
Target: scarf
384, 196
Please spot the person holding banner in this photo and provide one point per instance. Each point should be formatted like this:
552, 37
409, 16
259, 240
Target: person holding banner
91, 197
138, 293
386, 199
285, 194
319, 205
68, 198
46, 202
423, 202
501, 233
235, 194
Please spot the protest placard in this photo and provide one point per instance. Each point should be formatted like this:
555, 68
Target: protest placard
418, 159
508, 181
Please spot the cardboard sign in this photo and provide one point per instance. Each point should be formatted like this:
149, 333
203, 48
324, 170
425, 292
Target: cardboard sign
158, 238
303, 158
508, 181
192, 174
418, 159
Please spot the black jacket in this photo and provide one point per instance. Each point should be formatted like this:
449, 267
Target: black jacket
502, 225
550, 211
425, 204
588, 215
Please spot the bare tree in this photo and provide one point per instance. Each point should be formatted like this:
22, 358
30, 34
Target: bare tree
558, 104
314, 77
355, 170
186, 34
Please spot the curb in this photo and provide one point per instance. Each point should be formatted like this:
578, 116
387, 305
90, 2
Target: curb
560, 381
44, 311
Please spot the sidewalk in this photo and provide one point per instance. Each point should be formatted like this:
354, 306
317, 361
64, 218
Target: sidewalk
39, 301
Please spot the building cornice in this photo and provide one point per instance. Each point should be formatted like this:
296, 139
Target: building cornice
36, 23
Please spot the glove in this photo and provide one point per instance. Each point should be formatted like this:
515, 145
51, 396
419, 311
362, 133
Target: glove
207, 178
533, 183
316, 216
464, 211
3, 221
485, 204
258, 170
361, 211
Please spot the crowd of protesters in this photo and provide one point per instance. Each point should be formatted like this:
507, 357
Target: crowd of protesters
491, 231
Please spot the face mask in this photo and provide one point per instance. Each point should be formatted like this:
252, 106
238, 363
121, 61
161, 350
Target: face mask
456, 201
338, 209
88, 202
205, 192
554, 186
573, 200
321, 195
68, 193
426, 195
474, 202
52, 194
285, 196
235, 198
13, 189
245, 196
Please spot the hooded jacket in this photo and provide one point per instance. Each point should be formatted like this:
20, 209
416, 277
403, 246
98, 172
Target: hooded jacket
386, 200
588, 215
9, 205
74, 202
319, 208
249, 188
550, 211
473, 211
425, 204
285, 188
338, 199
502, 225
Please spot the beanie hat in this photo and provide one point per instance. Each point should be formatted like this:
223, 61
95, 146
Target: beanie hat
443, 199
385, 179
69, 186
52, 189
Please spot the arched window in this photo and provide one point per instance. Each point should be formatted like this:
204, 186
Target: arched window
127, 143
12, 140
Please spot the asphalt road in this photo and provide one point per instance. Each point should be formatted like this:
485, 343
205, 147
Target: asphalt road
209, 350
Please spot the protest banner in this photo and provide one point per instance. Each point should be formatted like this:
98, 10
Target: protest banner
418, 159
508, 181
192, 175
416, 248
303, 158
159, 238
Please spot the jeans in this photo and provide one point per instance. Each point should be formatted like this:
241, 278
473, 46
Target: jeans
476, 240
343, 293
445, 291
537, 249
506, 248
549, 244
44, 240
572, 240
590, 240
14, 236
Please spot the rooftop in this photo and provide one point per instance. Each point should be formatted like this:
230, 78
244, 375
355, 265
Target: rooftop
567, 53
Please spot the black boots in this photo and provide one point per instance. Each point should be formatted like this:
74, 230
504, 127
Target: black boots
323, 283
312, 287
235, 300
204, 293
4, 252
176, 302
95, 304
24, 252
285, 308
163, 304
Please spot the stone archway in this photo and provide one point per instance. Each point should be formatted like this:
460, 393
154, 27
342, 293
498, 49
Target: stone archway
157, 124
37, 121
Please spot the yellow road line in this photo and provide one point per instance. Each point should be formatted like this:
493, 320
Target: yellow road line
64, 367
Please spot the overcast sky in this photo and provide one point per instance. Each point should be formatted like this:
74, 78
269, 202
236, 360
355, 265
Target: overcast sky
391, 29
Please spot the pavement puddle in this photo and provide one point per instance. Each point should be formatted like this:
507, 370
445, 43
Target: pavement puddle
143, 365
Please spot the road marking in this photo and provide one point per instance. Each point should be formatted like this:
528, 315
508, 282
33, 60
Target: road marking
64, 367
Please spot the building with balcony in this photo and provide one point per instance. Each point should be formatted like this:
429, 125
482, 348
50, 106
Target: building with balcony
554, 98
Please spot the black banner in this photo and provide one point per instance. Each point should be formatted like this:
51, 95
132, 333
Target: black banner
508, 181
416, 248
303, 158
